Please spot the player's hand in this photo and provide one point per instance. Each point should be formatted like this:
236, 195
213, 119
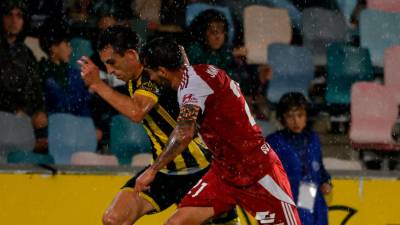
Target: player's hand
326, 188
144, 180
89, 71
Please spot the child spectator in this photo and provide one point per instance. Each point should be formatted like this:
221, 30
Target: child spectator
299, 149
65, 91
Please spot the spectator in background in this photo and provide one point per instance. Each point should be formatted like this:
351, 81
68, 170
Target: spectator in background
299, 149
211, 47
20, 89
65, 91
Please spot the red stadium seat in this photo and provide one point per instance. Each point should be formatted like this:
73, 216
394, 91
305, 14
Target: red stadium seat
392, 70
384, 5
262, 27
374, 112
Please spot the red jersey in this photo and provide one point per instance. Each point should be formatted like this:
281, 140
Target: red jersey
239, 151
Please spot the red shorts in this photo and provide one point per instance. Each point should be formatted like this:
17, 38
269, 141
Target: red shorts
269, 200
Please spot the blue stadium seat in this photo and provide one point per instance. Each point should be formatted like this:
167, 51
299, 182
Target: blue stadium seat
292, 70
127, 139
267, 127
193, 10
69, 134
322, 27
379, 30
24, 157
346, 65
16, 133
80, 47
347, 7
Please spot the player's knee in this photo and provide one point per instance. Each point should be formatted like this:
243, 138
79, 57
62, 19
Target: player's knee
175, 221
110, 218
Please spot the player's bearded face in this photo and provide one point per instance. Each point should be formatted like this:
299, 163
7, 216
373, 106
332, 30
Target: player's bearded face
155, 75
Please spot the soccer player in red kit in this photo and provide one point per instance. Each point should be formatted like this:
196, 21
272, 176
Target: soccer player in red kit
244, 171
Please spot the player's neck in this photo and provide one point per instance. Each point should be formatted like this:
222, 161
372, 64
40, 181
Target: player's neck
177, 77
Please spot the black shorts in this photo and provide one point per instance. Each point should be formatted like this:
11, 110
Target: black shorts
166, 190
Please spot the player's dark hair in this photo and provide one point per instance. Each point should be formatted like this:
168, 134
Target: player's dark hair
163, 52
120, 38
289, 101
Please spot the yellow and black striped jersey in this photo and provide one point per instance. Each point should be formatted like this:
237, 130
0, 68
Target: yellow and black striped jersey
160, 122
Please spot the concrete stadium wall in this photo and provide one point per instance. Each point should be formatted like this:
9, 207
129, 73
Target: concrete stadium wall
35, 198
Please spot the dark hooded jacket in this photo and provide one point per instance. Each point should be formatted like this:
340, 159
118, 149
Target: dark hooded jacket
20, 85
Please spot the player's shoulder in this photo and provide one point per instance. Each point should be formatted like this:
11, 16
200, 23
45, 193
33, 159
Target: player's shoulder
144, 83
206, 70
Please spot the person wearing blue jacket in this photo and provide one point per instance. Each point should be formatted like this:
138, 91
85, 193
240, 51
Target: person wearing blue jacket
299, 149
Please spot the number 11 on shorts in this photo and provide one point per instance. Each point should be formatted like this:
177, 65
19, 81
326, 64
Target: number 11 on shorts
200, 189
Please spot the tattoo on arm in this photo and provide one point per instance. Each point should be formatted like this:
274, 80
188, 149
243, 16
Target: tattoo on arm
180, 137
188, 113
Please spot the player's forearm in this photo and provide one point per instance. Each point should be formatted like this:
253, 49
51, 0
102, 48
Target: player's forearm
177, 143
122, 103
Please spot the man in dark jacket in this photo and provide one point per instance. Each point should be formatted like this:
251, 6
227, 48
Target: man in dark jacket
20, 88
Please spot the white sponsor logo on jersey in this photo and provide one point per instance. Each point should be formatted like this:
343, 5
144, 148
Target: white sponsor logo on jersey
265, 148
265, 217
212, 70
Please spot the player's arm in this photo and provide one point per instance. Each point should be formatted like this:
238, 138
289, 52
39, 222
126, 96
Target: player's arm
177, 143
181, 136
134, 108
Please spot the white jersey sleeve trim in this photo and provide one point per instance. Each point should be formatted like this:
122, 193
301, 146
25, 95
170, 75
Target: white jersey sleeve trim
195, 92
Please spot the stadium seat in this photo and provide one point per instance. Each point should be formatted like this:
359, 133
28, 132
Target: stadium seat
69, 134
346, 65
341, 164
262, 27
384, 5
378, 31
80, 47
193, 10
142, 160
267, 127
25, 157
93, 159
322, 27
127, 139
292, 70
347, 7
16, 133
374, 112
392, 70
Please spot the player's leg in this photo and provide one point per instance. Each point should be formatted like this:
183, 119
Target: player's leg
127, 207
191, 216
228, 218
269, 200
207, 200
186, 183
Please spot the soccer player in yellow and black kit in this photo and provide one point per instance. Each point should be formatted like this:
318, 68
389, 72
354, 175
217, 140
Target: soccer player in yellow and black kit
157, 109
